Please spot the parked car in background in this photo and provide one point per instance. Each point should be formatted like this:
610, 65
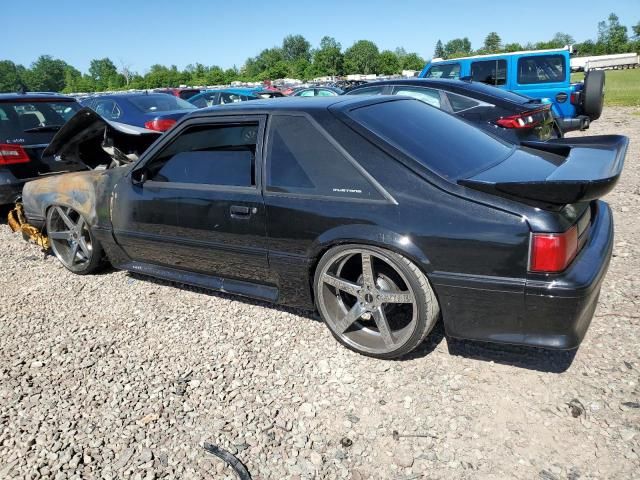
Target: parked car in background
317, 92
539, 74
209, 98
509, 115
383, 213
155, 111
183, 93
28, 122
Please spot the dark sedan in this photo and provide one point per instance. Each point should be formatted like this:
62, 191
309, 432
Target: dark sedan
154, 111
406, 216
28, 122
514, 117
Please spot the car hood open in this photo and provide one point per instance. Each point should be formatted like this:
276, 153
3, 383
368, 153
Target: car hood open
97, 143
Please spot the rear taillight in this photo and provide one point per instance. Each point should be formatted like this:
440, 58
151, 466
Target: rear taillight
10, 154
160, 124
522, 120
575, 98
552, 252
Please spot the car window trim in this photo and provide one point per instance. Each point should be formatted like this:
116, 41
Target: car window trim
387, 198
150, 155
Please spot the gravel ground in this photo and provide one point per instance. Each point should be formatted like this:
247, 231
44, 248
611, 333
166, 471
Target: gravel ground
118, 376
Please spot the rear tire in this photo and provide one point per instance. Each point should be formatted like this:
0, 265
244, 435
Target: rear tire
374, 301
72, 241
593, 94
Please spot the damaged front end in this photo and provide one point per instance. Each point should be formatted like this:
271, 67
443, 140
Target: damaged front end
95, 143
18, 223
98, 144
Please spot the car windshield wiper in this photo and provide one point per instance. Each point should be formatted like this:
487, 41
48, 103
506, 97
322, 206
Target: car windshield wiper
44, 128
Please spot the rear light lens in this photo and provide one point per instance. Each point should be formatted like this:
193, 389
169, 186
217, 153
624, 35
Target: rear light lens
575, 98
553, 252
522, 120
160, 124
10, 154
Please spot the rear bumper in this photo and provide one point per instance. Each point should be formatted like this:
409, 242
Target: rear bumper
581, 122
554, 312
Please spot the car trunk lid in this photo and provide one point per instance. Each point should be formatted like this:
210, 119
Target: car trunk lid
555, 173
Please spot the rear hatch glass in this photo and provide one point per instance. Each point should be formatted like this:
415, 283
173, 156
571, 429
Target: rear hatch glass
441, 142
33, 121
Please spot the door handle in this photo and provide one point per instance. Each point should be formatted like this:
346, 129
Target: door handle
241, 211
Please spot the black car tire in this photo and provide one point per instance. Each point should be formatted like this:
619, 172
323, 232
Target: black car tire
71, 256
426, 304
593, 95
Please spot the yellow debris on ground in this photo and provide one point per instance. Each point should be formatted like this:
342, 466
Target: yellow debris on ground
18, 223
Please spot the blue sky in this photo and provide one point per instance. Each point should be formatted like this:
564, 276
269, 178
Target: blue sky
141, 33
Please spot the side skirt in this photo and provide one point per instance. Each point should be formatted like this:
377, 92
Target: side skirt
220, 284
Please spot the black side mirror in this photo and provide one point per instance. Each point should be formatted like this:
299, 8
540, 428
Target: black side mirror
138, 177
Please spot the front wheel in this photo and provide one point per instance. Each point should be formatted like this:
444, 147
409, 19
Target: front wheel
72, 241
374, 301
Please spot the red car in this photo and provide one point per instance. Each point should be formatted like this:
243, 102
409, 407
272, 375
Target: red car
183, 93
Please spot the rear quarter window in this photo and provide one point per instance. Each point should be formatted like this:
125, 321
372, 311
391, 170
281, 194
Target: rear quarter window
542, 69
301, 159
439, 141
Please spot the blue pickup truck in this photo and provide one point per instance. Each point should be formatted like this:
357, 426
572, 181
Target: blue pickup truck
539, 74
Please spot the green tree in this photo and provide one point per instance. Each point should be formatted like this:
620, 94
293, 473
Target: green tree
636, 31
9, 76
296, 47
513, 47
458, 47
492, 43
328, 59
612, 37
361, 57
439, 50
105, 74
388, 63
412, 61
46, 74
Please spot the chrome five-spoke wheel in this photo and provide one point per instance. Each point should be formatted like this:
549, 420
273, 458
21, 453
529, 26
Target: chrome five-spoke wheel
374, 301
71, 239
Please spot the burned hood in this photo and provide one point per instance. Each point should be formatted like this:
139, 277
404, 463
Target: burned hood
89, 139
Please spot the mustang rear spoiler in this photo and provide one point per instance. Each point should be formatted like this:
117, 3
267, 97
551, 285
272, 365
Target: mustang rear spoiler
89, 139
557, 172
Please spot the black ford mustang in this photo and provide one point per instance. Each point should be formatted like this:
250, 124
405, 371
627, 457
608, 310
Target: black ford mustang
383, 213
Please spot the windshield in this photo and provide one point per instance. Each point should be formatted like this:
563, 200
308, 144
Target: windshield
441, 142
160, 103
21, 117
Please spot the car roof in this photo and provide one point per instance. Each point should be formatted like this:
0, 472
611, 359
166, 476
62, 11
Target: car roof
130, 94
35, 96
449, 85
297, 104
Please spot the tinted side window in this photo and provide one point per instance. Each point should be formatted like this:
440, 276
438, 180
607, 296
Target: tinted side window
460, 103
448, 70
426, 95
209, 154
542, 69
491, 72
302, 160
367, 91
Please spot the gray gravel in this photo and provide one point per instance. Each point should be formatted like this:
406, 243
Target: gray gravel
118, 376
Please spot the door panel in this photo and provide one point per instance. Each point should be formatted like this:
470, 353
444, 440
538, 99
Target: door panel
177, 218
